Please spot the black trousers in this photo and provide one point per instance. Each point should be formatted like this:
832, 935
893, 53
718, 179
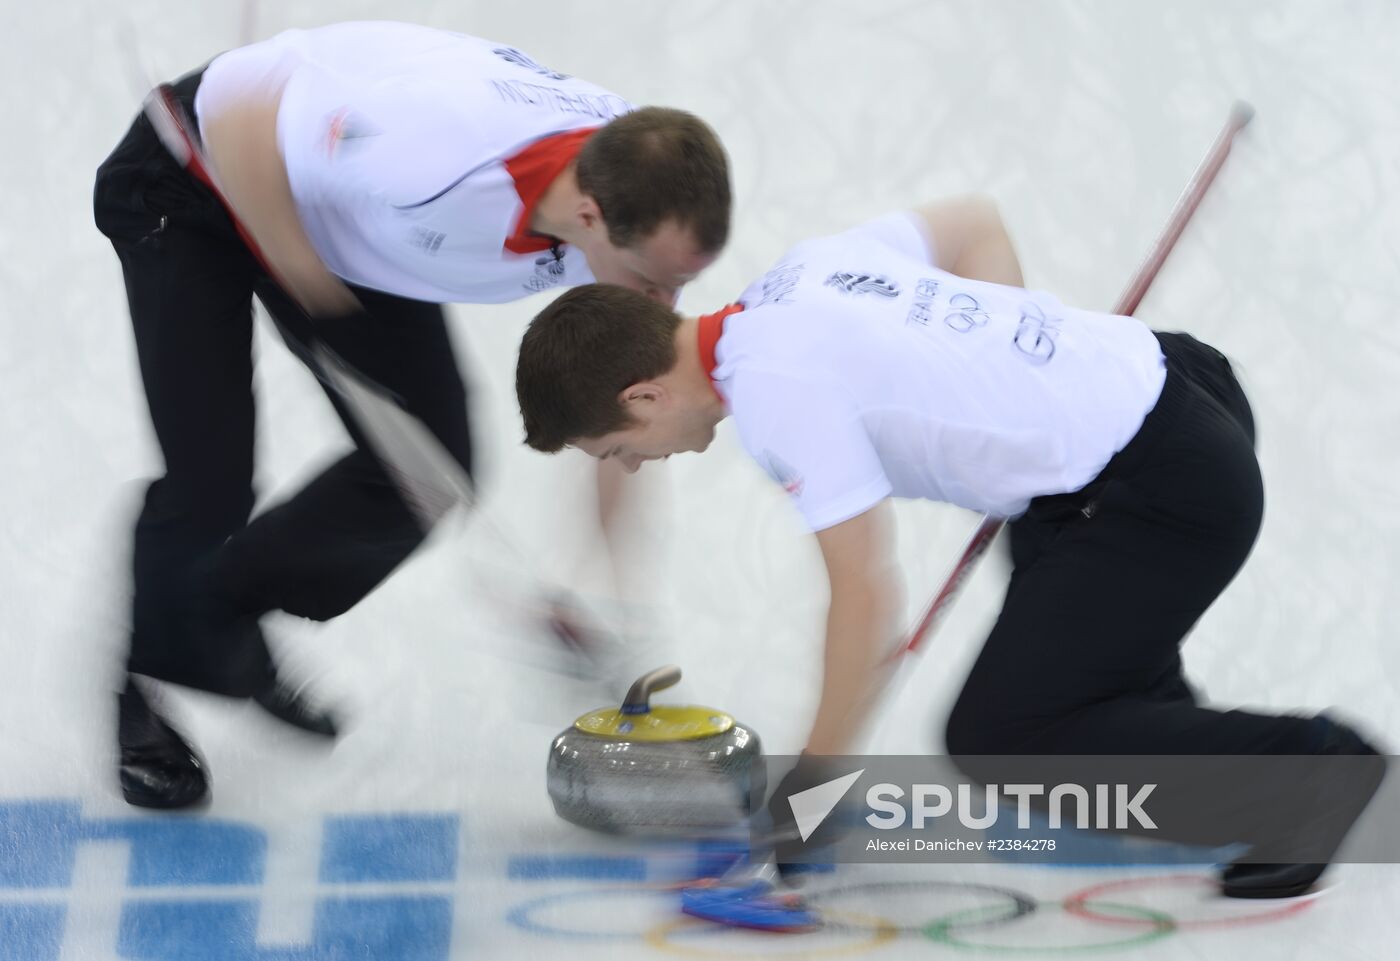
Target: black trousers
200, 565
1106, 583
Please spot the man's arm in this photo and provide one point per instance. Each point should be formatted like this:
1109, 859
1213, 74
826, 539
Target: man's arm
969, 239
860, 625
241, 144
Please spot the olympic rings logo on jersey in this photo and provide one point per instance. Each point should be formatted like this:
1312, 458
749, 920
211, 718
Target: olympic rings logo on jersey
967, 314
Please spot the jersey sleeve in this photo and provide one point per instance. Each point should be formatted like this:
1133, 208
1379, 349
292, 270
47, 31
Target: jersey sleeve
808, 437
902, 231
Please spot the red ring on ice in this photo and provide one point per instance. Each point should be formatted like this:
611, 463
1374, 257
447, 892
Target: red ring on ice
1075, 903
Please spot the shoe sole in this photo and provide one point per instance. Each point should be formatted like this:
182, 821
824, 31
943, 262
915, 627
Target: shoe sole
159, 802
1292, 891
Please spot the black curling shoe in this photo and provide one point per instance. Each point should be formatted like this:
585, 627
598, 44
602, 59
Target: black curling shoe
1268, 880
1240, 880
290, 705
157, 768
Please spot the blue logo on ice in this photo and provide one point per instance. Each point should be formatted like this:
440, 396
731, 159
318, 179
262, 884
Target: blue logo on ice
194, 887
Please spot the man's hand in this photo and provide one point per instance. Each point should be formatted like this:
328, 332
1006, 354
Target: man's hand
786, 841
860, 625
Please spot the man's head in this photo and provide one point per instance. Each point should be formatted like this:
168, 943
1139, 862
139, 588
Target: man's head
655, 202
615, 374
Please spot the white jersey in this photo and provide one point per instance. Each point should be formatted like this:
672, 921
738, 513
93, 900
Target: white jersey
856, 371
397, 141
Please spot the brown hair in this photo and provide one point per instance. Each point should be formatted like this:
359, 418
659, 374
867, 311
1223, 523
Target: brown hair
580, 353
653, 165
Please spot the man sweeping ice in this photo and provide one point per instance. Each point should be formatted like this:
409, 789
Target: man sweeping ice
359, 176
903, 359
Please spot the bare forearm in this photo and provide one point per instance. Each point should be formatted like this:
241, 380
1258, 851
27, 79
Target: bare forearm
242, 146
991, 258
622, 517
859, 627
970, 239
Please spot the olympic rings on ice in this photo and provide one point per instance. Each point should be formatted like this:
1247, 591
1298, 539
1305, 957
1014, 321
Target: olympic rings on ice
877, 931
1017, 905
1079, 903
944, 931
963, 928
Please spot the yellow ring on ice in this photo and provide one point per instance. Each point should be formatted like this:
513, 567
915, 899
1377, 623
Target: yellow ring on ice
882, 931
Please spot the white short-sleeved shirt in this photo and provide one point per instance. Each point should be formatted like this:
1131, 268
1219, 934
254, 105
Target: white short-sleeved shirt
858, 371
396, 140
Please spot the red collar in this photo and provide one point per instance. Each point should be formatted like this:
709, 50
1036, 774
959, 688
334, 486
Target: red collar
533, 170
711, 328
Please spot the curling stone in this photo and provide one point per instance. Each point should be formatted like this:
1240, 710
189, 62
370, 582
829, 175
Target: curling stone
640, 769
